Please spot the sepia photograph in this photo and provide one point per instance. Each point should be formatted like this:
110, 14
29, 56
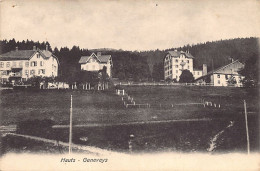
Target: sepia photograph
129, 85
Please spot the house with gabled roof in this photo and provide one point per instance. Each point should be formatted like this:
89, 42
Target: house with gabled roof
227, 75
96, 62
177, 61
19, 65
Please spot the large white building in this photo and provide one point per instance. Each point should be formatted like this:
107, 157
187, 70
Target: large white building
175, 62
96, 62
19, 65
227, 75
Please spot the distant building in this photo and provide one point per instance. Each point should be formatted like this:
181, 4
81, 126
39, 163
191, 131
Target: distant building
96, 62
175, 62
224, 76
19, 65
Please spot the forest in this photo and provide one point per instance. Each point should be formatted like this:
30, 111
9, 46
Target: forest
145, 65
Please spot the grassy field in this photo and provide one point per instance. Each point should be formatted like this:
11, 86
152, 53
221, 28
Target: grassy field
167, 104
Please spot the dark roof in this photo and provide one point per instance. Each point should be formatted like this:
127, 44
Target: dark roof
17, 55
177, 54
83, 59
24, 54
102, 58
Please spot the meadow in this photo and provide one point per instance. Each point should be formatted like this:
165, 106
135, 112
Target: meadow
175, 121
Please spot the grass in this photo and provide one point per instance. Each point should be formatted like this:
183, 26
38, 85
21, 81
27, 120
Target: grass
107, 108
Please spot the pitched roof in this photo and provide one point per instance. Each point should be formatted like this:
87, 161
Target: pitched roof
216, 71
83, 59
102, 58
177, 54
17, 55
24, 54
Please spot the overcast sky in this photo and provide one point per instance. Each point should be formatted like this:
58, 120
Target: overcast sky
129, 25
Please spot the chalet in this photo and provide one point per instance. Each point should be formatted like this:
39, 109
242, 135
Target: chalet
224, 76
19, 65
96, 62
175, 62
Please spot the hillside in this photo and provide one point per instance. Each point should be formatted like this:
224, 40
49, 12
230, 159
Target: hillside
220, 51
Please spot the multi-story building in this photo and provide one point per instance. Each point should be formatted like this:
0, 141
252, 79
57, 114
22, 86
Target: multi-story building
227, 75
19, 65
96, 62
175, 62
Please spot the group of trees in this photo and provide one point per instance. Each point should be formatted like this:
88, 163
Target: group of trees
148, 65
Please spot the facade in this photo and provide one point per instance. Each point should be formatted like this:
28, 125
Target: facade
224, 76
197, 73
96, 62
19, 65
175, 62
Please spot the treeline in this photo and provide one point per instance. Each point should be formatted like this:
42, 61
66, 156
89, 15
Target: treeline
127, 65
217, 52
146, 65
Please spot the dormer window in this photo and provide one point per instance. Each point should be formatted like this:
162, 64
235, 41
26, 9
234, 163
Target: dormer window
38, 55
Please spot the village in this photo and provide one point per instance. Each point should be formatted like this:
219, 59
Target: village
129, 85
186, 95
22, 68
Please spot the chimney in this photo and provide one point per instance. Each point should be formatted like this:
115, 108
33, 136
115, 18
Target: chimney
47, 47
204, 70
99, 54
34, 47
16, 48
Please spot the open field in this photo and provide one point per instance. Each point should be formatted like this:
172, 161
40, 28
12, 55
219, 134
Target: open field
172, 123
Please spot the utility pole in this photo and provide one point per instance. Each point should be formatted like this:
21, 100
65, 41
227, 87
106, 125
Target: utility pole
70, 134
213, 71
247, 135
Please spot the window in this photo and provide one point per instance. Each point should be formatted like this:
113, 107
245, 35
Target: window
226, 76
34, 63
4, 72
41, 63
176, 66
26, 64
1, 65
21, 64
176, 71
198, 73
188, 67
8, 64
38, 55
26, 72
32, 72
181, 60
41, 71
188, 61
218, 76
218, 81
176, 60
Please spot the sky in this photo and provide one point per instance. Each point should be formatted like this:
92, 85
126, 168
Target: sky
128, 24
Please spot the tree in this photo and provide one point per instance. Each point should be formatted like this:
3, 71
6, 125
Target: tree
250, 71
232, 80
186, 77
158, 72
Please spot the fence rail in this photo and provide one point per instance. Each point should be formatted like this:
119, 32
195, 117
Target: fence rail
162, 84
